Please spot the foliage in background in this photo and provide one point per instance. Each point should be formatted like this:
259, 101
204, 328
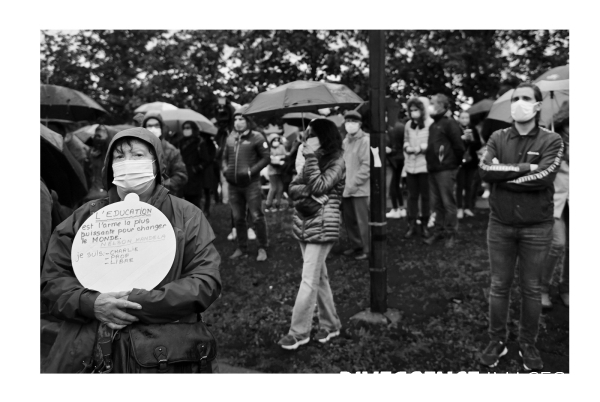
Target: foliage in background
125, 68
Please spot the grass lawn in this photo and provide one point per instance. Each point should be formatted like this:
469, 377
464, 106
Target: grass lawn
441, 295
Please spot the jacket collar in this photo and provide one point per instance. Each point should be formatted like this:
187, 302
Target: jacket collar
513, 132
356, 136
160, 193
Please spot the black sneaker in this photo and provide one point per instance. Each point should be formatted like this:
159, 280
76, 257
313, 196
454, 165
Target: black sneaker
531, 357
492, 353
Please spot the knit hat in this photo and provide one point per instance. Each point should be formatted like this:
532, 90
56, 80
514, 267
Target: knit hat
353, 115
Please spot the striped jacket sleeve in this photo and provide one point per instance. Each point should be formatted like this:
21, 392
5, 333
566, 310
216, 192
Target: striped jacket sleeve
499, 172
544, 175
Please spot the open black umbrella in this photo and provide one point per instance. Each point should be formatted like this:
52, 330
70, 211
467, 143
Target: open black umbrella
68, 104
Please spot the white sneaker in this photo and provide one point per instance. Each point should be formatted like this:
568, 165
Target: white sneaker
469, 213
232, 236
251, 234
394, 214
431, 220
486, 194
403, 213
459, 213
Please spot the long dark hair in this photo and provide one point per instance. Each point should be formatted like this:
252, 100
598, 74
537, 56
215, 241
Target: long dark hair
328, 134
195, 128
416, 102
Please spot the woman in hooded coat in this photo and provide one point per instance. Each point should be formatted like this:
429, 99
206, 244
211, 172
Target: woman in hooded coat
192, 284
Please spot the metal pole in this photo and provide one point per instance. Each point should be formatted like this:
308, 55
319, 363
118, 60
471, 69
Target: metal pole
377, 222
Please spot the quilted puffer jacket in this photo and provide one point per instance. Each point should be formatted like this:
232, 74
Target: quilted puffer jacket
322, 175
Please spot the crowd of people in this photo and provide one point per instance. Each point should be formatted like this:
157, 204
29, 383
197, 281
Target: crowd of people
321, 173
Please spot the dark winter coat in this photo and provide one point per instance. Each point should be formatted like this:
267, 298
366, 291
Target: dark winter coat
175, 170
192, 284
519, 196
322, 175
395, 140
246, 155
445, 148
472, 147
196, 159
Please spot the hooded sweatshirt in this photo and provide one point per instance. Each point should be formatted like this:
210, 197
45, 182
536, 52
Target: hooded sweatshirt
192, 284
174, 168
357, 158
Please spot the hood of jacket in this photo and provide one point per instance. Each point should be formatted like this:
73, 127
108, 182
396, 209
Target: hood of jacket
141, 134
154, 115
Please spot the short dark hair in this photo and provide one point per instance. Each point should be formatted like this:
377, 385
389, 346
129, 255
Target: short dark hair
537, 94
443, 99
328, 134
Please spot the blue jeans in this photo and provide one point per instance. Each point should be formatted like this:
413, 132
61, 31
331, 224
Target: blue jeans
314, 288
249, 197
443, 203
526, 248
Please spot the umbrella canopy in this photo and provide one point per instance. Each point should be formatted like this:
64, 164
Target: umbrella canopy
67, 104
481, 107
175, 118
52, 137
60, 170
86, 132
302, 96
550, 105
301, 115
556, 79
154, 106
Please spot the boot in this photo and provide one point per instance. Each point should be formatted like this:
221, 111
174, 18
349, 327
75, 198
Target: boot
412, 227
425, 233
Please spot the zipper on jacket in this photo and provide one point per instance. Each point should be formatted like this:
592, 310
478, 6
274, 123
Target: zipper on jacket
237, 149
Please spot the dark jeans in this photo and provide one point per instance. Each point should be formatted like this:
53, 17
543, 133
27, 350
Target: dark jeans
249, 197
395, 191
355, 212
465, 180
558, 250
441, 185
526, 248
418, 185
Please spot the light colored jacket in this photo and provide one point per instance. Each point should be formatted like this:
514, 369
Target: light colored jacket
561, 189
416, 138
357, 157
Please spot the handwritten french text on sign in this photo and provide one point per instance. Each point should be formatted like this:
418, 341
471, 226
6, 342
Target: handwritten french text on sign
125, 245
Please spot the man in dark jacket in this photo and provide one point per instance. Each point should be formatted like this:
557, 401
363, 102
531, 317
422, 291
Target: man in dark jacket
246, 153
444, 155
174, 167
521, 163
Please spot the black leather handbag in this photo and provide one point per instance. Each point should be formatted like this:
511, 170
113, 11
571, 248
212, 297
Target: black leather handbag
164, 348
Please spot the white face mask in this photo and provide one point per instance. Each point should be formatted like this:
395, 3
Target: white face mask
275, 144
187, 132
415, 115
352, 127
155, 130
314, 143
133, 176
522, 111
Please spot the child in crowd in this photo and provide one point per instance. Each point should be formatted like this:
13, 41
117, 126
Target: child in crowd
278, 155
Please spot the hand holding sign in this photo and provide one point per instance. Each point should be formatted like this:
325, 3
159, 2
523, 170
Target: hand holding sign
125, 245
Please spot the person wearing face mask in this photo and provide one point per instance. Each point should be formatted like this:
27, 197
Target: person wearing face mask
174, 167
521, 163
246, 153
466, 172
355, 202
416, 134
317, 192
197, 156
133, 164
444, 154
278, 155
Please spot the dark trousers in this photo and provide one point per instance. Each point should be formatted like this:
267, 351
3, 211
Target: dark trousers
249, 197
526, 248
441, 186
395, 192
355, 212
465, 181
418, 186
559, 250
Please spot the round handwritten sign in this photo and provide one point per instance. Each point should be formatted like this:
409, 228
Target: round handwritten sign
125, 245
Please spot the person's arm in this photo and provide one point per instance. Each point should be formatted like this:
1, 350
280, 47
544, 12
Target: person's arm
176, 171
264, 153
476, 143
454, 133
545, 173
197, 288
297, 188
318, 182
493, 172
225, 155
364, 163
